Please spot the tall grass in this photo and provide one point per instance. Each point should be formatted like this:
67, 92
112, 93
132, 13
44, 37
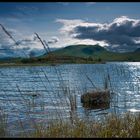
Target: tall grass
3, 123
126, 126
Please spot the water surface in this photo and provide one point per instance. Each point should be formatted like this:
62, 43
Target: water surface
40, 92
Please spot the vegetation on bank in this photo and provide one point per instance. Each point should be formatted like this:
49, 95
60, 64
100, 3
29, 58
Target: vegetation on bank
50, 60
75, 54
95, 53
112, 126
53, 60
127, 126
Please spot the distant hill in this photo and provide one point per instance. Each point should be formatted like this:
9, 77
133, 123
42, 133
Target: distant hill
81, 50
78, 54
96, 52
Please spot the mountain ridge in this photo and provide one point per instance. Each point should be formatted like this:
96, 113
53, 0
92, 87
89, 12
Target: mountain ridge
95, 52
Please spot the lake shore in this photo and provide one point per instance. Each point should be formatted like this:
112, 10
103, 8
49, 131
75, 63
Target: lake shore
40, 64
54, 64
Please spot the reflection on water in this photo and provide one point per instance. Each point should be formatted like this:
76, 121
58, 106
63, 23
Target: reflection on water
42, 91
103, 105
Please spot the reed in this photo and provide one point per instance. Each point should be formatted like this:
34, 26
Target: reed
3, 123
126, 126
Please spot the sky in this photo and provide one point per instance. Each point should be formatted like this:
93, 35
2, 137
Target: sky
113, 25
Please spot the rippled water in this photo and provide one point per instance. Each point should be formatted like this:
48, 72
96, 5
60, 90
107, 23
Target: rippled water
40, 92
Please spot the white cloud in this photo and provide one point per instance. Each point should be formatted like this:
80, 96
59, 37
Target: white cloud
24, 45
68, 25
90, 3
122, 32
66, 41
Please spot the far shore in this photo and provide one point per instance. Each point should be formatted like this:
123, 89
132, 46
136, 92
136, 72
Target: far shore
53, 64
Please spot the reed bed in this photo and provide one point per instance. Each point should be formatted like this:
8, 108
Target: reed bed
113, 126
126, 126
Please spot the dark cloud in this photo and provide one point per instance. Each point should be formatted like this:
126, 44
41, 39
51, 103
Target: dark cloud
22, 48
122, 33
30, 45
8, 48
25, 42
53, 40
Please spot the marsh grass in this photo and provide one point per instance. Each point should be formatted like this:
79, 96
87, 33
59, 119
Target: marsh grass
3, 124
113, 126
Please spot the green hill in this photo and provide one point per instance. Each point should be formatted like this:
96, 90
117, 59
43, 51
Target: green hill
96, 52
78, 54
80, 50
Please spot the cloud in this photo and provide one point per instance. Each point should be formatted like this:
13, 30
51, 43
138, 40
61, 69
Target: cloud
3, 37
5, 41
53, 40
122, 33
64, 3
25, 44
8, 48
68, 25
90, 3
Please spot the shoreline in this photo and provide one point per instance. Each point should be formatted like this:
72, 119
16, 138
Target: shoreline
54, 64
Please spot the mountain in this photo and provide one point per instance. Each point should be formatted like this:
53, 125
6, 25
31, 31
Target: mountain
78, 54
80, 50
96, 52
